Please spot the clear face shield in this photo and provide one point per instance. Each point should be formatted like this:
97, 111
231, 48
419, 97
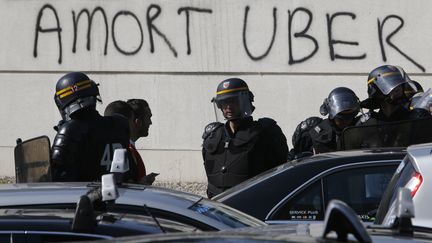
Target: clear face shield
343, 106
232, 106
422, 101
386, 82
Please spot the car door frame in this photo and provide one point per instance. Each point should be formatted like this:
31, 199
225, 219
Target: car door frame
317, 177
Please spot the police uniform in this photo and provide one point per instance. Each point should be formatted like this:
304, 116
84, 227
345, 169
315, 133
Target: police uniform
382, 82
342, 104
84, 145
325, 137
229, 158
301, 140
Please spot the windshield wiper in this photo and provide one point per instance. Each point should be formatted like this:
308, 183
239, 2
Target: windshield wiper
154, 218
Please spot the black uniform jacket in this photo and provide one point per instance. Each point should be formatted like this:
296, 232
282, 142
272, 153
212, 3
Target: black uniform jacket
83, 147
231, 158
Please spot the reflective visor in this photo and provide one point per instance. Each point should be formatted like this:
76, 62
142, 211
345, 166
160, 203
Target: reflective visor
386, 82
343, 102
422, 100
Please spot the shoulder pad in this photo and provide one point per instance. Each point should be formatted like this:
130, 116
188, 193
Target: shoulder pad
312, 121
210, 128
72, 128
317, 129
266, 122
70, 125
321, 128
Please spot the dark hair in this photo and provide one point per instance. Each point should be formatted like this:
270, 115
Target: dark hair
139, 106
119, 107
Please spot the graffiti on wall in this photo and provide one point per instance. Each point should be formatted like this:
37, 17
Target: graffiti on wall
148, 28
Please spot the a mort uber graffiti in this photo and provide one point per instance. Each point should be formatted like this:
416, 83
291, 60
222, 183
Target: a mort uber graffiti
293, 27
152, 13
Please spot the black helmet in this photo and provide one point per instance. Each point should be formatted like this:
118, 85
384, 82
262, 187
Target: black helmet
234, 90
411, 88
75, 91
381, 81
341, 103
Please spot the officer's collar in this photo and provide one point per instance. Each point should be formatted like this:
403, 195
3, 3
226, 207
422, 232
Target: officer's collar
242, 124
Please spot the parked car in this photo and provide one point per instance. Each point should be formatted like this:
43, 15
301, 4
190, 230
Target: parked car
56, 225
33, 162
414, 173
341, 225
176, 206
90, 219
299, 190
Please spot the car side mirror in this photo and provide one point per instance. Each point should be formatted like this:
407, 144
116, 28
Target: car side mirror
33, 160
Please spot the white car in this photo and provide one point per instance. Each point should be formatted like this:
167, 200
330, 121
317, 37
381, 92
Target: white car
414, 173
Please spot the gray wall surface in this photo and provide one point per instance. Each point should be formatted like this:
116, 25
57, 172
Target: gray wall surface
174, 53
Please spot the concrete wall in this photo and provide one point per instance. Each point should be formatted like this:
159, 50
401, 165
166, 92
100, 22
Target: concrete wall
174, 53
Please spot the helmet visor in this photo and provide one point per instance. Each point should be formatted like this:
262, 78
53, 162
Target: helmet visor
343, 103
422, 101
233, 106
386, 82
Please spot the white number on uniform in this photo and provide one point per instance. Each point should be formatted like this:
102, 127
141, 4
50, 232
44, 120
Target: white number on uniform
107, 156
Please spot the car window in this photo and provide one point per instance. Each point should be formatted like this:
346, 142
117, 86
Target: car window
5, 237
306, 205
53, 237
403, 174
225, 214
361, 188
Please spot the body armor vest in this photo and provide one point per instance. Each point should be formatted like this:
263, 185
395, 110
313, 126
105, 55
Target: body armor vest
231, 159
83, 147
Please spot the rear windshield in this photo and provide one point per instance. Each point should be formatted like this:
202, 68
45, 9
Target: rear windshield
224, 214
403, 174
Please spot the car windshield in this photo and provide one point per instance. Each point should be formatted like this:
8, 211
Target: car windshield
402, 175
225, 214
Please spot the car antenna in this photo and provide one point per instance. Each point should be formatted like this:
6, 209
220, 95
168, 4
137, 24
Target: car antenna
154, 218
340, 218
402, 225
85, 217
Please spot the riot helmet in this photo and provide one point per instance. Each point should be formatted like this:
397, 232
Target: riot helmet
412, 87
233, 99
386, 82
342, 103
422, 100
75, 91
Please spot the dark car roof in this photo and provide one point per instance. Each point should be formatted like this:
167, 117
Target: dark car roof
108, 224
133, 197
71, 191
291, 175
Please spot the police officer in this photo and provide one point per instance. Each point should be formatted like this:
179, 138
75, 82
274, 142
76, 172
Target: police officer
421, 104
83, 147
301, 139
389, 90
241, 148
342, 107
